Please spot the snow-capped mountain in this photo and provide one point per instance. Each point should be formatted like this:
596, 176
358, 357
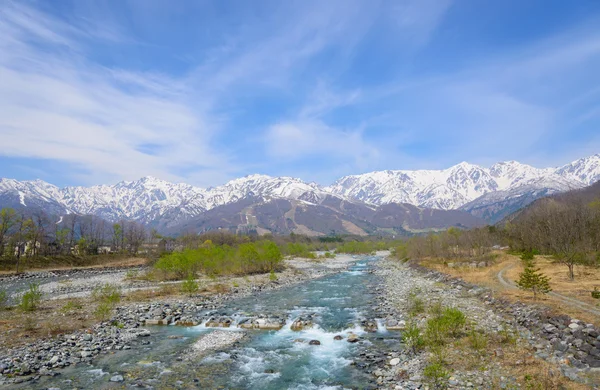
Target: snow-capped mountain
485, 192
149, 198
456, 186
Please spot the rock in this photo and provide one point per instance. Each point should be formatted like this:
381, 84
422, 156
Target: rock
395, 325
352, 338
394, 362
314, 342
116, 378
370, 326
338, 338
300, 324
85, 354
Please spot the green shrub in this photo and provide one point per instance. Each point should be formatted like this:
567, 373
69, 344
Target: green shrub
436, 375
31, 298
212, 260
449, 323
412, 338
272, 276
436, 309
527, 255
596, 293
107, 297
3, 299
361, 247
416, 304
454, 320
190, 286
478, 340
71, 307
507, 336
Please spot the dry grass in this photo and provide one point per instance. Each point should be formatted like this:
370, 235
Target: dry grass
514, 360
54, 317
586, 278
92, 262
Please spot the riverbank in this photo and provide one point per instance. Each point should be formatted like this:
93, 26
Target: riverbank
501, 346
42, 355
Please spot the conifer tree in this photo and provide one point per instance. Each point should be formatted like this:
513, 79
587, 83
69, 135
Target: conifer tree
533, 280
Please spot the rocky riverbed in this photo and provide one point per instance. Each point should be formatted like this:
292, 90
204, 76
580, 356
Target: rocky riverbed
568, 344
46, 357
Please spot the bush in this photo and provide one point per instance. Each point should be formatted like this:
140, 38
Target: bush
449, 323
416, 305
107, 296
478, 340
436, 375
3, 299
272, 276
412, 338
596, 293
455, 321
31, 298
361, 247
71, 307
212, 260
190, 286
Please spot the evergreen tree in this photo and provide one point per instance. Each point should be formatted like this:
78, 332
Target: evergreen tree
533, 280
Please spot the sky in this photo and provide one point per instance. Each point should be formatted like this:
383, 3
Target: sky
94, 92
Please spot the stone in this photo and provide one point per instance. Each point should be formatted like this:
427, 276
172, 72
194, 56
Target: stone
314, 342
338, 338
394, 362
85, 354
353, 338
116, 378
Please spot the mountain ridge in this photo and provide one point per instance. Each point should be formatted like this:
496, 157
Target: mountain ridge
484, 192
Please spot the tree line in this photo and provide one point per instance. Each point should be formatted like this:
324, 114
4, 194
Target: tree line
38, 234
567, 228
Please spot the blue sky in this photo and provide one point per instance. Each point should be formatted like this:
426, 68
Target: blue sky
100, 91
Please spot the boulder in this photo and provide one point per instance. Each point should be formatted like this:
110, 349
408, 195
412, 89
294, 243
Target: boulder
300, 324
353, 338
395, 325
314, 342
369, 326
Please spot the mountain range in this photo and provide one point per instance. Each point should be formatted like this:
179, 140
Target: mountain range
464, 195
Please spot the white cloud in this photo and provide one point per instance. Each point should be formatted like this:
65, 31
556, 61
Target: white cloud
55, 104
291, 141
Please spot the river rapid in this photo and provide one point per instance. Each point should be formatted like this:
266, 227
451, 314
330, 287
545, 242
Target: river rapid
336, 305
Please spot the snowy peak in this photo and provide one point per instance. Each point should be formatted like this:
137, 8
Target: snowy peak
453, 187
586, 170
149, 199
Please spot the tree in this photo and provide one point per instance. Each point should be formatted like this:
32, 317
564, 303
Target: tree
533, 280
118, 237
8, 219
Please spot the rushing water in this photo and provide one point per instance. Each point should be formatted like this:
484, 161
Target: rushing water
263, 359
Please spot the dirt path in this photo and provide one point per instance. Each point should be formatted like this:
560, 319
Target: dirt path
568, 300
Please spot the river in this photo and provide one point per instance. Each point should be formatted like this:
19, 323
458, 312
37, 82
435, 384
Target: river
281, 359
